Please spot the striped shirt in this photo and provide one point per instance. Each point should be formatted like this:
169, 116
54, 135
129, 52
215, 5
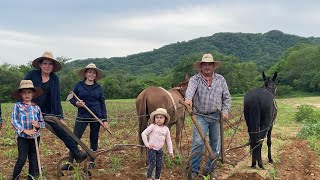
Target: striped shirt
208, 99
22, 117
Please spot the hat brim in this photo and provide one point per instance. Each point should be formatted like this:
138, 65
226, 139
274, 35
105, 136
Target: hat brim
154, 113
56, 67
37, 92
83, 71
216, 64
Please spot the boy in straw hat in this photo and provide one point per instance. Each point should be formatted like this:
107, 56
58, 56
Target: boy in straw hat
90, 94
44, 76
207, 94
159, 133
27, 120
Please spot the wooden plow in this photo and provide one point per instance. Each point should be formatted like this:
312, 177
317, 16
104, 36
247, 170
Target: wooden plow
209, 155
90, 152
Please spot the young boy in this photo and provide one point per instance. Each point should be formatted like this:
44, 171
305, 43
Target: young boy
27, 120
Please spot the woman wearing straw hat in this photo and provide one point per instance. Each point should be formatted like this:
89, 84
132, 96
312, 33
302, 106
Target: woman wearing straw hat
50, 103
27, 120
90, 94
208, 94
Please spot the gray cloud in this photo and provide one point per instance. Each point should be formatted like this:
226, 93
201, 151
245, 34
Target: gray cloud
82, 33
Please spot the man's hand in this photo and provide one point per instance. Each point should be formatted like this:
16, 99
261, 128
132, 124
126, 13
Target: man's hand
189, 102
172, 155
225, 116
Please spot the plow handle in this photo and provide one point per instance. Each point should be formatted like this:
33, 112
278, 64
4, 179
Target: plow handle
194, 119
94, 116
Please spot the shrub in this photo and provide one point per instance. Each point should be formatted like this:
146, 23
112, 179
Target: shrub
284, 90
304, 112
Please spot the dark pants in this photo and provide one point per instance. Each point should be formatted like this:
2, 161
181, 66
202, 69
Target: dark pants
80, 127
64, 136
155, 161
26, 149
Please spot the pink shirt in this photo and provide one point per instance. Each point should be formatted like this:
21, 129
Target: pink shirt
158, 135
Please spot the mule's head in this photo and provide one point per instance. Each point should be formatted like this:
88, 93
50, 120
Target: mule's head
269, 83
182, 86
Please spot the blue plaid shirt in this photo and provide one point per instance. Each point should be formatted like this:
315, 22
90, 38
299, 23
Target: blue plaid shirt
207, 99
22, 117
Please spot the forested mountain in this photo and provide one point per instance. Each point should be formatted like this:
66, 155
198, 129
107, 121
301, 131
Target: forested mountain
263, 49
243, 57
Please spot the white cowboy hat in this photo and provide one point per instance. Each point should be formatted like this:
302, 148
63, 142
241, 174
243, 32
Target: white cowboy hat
91, 66
161, 111
49, 56
26, 84
207, 58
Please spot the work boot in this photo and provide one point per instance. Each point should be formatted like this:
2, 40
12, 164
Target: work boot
67, 166
91, 165
80, 156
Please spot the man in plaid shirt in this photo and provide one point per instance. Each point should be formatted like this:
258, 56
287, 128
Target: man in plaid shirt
207, 94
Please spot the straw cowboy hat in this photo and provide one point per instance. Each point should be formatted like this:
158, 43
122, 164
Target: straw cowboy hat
91, 66
49, 56
26, 84
161, 111
207, 58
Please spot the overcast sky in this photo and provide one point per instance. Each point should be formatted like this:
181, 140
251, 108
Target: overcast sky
80, 29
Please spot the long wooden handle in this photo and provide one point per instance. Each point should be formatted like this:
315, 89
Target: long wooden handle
86, 107
194, 119
38, 155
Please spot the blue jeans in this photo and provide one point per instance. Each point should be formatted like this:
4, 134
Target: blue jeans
213, 127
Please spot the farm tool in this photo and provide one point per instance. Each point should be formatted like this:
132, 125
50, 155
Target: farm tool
207, 146
72, 94
90, 152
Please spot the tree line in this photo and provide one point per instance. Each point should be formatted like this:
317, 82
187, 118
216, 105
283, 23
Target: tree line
298, 70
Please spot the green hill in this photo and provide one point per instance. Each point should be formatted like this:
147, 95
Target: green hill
263, 49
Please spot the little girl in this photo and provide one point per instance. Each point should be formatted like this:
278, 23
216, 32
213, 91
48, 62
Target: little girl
159, 133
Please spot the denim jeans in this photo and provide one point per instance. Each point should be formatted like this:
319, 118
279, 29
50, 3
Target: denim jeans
80, 127
26, 149
213, 127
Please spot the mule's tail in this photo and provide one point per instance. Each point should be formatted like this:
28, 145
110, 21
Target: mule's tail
143, 119
253, 123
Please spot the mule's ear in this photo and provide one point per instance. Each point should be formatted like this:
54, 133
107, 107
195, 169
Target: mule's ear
263, 76
274, 76
186, 77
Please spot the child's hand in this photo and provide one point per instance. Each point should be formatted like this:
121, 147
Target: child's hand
172, 155
30, 132
149, 146
35, 124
